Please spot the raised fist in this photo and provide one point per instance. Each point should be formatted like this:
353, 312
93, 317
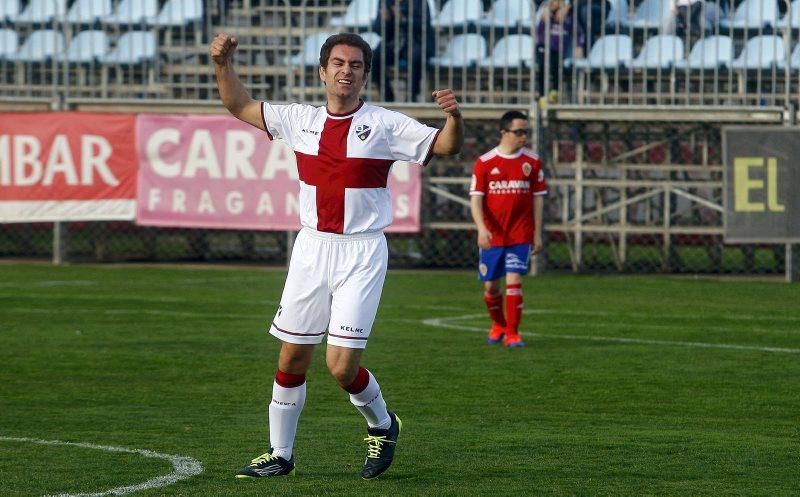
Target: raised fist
222, 48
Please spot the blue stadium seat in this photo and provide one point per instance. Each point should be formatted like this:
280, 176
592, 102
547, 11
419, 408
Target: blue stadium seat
794, 60
41, 11
309, 56
709, 53
651, 14
133, 47
608, 52
9, 9
40, 46
9, 42
508, 14
463, 50
178, 13
88, 11
359, 14
753, 14
660, 51
761, 52
458, 13
87, 46
133, 12
510, 51
794, 13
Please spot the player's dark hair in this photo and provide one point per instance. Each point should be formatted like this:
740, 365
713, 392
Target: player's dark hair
350, 39
509, 116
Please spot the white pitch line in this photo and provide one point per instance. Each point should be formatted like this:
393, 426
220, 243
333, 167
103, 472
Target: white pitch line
183, 466
444, 323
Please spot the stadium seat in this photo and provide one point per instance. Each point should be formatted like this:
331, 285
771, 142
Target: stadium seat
87, 46
9, 9
40, 46
133, 47
9, 43
761, 52
753, 14
88, 11
178, 13
508, 14
510, 51
359, 14
458, 13
372, 38
617, 13
133, 12
661, 51
709, 53
309, 56
794, 60
463, 50
794, 13
608, 52
650, 14
41, 11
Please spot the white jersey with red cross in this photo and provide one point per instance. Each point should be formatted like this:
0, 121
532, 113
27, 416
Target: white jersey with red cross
343, 161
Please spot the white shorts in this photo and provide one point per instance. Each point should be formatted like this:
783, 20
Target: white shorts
334, 286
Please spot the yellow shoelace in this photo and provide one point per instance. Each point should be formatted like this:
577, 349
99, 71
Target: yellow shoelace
266, 457
375, 444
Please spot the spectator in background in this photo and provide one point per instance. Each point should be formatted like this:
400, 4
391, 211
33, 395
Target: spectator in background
557, 38
506, 203
690, 17
592, 16
406, 33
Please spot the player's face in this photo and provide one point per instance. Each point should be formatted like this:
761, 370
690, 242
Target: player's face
516, 134
345, 75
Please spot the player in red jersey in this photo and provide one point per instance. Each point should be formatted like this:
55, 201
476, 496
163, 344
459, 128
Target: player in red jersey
506, 201
344, 152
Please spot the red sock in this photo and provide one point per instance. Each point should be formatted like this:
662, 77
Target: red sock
513, 307
494, 303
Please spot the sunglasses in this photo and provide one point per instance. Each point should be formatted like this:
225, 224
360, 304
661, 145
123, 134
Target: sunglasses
520, 131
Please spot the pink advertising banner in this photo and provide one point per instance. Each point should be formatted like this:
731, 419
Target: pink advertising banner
217, 172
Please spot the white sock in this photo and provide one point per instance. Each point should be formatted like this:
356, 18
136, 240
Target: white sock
284, 412
371, 405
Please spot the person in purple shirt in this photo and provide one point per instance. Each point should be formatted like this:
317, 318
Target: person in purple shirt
558, 38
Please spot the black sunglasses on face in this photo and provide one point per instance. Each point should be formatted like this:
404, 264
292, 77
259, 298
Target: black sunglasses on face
520, 131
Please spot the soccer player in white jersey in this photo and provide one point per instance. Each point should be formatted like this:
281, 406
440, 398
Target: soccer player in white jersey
344, 152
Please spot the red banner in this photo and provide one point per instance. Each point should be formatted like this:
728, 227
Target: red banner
217, 172
67, 167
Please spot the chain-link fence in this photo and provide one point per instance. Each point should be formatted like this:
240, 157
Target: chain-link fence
625, 196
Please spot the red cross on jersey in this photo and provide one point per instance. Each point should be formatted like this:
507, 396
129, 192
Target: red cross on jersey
343, 161
508, 184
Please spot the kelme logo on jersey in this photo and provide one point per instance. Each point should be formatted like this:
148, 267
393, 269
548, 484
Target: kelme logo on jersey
527, 168
363, 131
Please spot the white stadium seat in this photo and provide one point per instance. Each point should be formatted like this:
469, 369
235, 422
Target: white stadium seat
133, 12
9, 43
709, 53
40, 46
457, 13
508, 13
178, 13
463, 50
761, 52
608, 52
41, 11
661, 51
88, 11
511, 51
133, 47
359, 14
309, 56
87, 46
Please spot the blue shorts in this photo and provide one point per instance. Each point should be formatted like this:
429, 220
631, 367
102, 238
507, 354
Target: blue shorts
495, 262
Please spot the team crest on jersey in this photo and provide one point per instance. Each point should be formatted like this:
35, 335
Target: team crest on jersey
483, 269
527, 168
363, 131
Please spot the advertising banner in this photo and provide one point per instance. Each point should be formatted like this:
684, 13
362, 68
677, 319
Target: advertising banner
762, 174
67, 167
217, 172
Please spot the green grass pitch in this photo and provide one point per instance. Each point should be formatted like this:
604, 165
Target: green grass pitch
629, 385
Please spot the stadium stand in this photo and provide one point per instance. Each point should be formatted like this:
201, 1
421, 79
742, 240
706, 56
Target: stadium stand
651, 14
130, 12
761, 52
458, 14
87, 47
9, 43
710, 53
40, 46
359, 14
659, 52
511, 51
462, 51
508, 14
41, 11
9, 9
88, 11
753, 14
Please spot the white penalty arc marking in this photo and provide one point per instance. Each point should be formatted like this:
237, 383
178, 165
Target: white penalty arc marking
446, 323
183, 467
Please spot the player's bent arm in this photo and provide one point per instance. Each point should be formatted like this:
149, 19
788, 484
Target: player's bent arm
235, 97
451, 137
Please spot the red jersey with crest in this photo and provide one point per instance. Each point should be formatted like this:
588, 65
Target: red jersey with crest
508, 184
